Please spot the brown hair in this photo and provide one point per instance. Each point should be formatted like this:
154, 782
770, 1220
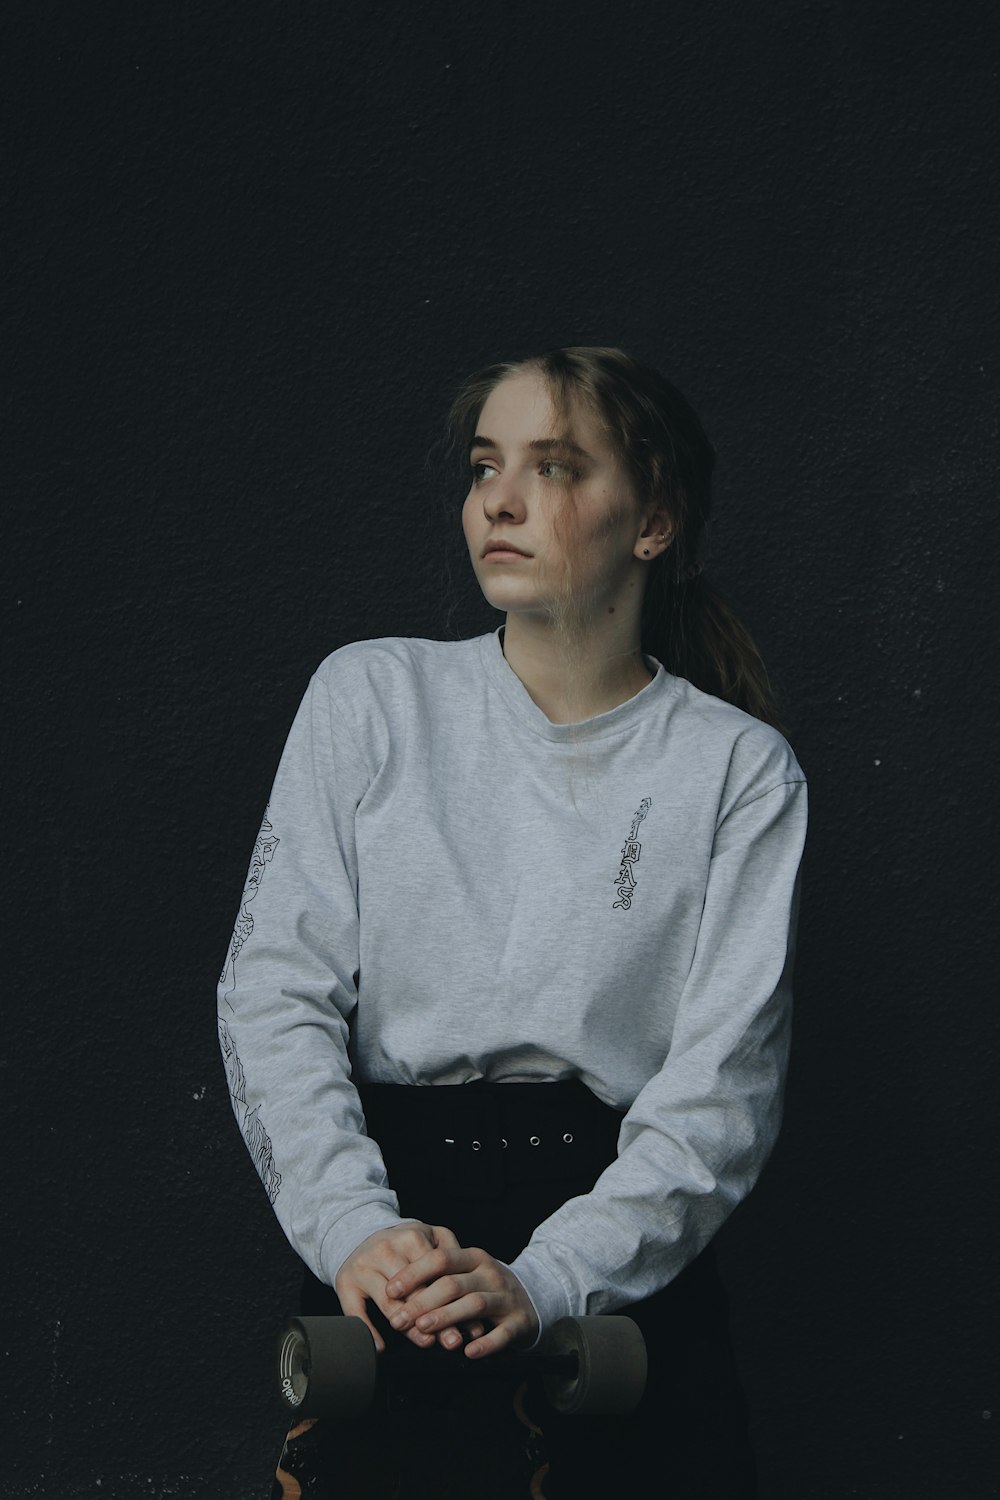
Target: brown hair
662, 447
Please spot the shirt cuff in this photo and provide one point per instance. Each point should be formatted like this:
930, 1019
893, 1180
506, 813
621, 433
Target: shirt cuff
550, 1299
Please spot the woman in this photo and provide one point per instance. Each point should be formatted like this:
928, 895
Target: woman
507, 1023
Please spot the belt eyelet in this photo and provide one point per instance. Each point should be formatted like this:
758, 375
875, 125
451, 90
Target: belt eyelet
568, 1138
503, 1142
477, 1145
535, 1141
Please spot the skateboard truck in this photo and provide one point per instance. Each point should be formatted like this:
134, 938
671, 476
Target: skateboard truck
328, 1366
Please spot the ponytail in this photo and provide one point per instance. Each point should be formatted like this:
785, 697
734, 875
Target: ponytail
697, 635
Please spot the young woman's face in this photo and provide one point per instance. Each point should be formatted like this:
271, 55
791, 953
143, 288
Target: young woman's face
522, 477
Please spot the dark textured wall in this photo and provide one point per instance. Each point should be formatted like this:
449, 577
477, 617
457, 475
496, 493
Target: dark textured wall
257, 245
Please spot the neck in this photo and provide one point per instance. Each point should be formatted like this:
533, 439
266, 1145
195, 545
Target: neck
570, 683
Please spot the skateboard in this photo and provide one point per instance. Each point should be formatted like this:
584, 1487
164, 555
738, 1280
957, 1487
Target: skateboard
429, 1422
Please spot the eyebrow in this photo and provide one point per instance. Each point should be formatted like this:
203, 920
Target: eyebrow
540, 445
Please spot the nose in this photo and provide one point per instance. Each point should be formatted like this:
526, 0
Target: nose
503, 499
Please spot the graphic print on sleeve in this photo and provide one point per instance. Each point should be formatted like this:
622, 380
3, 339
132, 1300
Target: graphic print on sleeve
257, 1139
625, 879
263, 853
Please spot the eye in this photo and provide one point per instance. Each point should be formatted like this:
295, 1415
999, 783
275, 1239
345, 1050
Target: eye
567, 470
476, 476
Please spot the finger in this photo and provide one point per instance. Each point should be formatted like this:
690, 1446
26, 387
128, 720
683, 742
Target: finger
422, 1340
491, 1343
429, 1268
443, 1237
473, 1305
381, 1258
438, 1294
385, 1267
352, 1301
451, 1338
372, 1287
389, 1307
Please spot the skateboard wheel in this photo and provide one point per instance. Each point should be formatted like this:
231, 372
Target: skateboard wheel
326, 1367
610, 1365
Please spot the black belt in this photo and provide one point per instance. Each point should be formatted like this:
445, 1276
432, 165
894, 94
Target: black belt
481, 1136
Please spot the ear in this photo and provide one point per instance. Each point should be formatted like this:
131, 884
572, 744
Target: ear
657, 532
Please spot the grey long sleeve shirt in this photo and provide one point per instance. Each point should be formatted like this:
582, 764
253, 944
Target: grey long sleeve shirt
482, 893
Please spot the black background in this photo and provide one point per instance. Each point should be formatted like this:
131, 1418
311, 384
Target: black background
256, 249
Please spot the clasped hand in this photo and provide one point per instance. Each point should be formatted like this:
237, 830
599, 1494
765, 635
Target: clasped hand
431, 1288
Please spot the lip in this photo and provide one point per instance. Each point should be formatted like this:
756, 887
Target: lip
503, 549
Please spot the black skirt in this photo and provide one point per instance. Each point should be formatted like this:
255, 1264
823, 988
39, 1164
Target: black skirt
491, 1161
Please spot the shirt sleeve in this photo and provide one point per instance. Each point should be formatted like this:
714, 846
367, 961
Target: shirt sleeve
697, 1135
286, 994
